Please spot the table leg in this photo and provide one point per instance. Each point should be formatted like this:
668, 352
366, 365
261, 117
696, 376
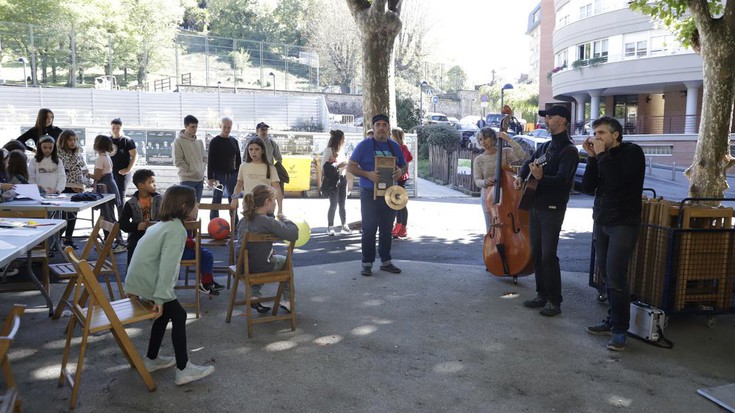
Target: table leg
38, 284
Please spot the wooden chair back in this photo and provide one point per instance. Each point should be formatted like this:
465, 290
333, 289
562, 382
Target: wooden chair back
228, 243
193, 228
96, 315
105, 265
10, 400
241, 273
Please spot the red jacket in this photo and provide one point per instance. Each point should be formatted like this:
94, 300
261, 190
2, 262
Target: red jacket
408, 157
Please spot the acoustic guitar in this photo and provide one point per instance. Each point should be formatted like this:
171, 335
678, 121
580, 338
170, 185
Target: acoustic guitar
529, 186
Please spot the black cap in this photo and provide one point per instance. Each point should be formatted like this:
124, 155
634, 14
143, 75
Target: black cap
558, 111
262, 125
380, 116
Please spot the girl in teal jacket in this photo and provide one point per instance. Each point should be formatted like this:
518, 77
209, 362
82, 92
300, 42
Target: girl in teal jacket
152, 275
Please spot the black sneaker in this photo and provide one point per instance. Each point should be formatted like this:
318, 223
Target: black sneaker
206, 289
537, 302
550, 310
390, 268
214, 285
602, 329
260, 308
366, 271
70, 243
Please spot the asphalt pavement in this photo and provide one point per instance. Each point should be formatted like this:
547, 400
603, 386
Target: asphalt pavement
442, 336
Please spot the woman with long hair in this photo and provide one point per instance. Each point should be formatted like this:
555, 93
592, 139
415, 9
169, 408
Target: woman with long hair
399, 230
18, 167
44, 126
72, 156
256, 170
485, 164
334, 163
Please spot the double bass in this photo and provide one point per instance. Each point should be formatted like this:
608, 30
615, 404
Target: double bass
507, 246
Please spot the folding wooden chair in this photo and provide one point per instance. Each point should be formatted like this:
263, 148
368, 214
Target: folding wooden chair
41, 252
101, 315
194, 230
241, 273
229, 242
105, 265
10, 401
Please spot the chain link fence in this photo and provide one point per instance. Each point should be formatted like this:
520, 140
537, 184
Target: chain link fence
55, 55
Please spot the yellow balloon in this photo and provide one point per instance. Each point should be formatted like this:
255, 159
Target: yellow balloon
304, 232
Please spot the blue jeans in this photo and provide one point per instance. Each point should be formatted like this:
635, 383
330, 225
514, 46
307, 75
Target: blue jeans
206, 259
376, 215
198, 188
228, 181
545, 229
614, 246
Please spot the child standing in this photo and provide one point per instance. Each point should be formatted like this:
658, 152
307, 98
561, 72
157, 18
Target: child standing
399, 230
46, 169
258, 208
152, 275
103, 175
72, 156
143, 210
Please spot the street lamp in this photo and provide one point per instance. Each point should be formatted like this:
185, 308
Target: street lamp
219, 99
273, 75
502, 92
421, 99
25, 76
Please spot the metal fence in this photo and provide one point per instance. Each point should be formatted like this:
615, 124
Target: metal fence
46, 55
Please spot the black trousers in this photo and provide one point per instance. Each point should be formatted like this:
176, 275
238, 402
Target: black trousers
545, 229
174, 312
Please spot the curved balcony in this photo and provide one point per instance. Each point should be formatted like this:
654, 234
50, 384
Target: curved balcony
604, 25
620, 76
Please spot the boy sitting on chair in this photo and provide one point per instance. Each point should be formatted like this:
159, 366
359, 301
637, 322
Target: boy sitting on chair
142, 210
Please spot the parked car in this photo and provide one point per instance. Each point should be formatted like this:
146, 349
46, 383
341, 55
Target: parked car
435, 118
539, 133
473, 119
467, 130
530, 143
493, 120
452, 120
581, 167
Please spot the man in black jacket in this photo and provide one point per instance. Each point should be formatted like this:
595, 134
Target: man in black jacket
555, 179
223, 162
615, 174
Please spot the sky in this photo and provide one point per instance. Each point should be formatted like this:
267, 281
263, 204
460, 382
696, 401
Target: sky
481, 35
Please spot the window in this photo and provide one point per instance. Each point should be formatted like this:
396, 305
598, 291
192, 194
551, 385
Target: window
585, 11
661, 44
599, 48
560, 60
658, 150
584, 51
636, 49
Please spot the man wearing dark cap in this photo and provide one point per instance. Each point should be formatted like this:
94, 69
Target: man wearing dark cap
272, 151
376, 214
555, 179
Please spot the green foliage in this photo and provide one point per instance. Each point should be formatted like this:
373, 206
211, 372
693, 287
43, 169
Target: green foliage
673, 15
240, 60
407, 113
440, 135
456, 78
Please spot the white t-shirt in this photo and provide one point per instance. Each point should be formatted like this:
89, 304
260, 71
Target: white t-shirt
252, 174
103, 162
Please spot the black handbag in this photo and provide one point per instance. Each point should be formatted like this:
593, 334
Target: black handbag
282, 173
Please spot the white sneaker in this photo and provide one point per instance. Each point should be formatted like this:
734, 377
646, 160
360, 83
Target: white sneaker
331, 232
346, 230
160, 362
286, 305
191, 373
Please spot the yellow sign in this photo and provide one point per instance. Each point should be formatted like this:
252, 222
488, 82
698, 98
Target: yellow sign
299, 172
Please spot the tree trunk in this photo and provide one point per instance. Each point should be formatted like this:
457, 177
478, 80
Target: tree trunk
712, 159
378, 30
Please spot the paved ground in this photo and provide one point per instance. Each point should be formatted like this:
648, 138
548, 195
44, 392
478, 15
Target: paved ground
441, 336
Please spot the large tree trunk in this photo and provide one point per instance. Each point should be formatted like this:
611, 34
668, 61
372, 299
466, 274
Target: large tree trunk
712, 156
378, 28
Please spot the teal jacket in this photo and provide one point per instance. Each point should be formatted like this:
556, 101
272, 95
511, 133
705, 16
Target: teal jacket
154, 268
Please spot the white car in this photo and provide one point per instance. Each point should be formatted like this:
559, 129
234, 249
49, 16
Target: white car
435, 119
